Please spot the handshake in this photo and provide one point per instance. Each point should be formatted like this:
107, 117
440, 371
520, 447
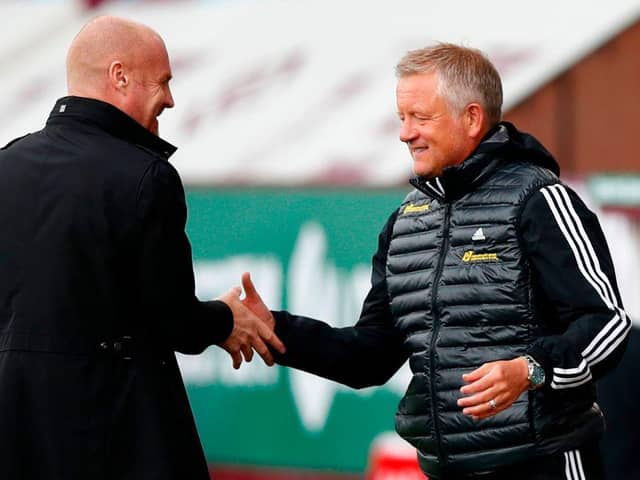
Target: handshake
253, 325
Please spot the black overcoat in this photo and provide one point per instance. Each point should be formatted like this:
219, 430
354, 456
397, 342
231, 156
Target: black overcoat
96, 295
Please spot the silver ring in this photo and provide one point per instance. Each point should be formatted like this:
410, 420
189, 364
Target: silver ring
493, 404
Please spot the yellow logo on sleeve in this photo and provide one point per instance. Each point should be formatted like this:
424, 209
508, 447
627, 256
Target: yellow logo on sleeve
411, 208
471, 256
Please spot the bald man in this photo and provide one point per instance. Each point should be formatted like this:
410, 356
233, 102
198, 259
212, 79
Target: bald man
96, 280
124, 64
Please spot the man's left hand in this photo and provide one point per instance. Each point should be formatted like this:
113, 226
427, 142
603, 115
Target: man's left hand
493, 387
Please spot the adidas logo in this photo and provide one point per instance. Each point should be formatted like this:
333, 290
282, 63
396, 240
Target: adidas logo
478, 235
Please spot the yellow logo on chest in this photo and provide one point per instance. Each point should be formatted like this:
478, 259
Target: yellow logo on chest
411, 208
471, 256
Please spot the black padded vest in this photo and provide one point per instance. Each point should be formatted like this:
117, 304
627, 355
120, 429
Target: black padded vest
460, 291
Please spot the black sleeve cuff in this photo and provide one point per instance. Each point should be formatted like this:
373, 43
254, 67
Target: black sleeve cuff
218, 321
209, 323
281, 330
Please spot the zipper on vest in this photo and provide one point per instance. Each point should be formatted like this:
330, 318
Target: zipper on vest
436, 327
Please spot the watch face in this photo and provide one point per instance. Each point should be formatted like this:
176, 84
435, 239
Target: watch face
537, 376
536, 373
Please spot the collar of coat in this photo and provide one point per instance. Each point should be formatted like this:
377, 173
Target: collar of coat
502, 143
110, 119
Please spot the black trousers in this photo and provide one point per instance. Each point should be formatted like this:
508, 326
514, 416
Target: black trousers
582, 464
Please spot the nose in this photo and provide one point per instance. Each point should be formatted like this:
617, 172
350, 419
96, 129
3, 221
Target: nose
168, 102
407, 131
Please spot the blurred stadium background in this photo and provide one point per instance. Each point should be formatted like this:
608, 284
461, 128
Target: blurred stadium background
287, 134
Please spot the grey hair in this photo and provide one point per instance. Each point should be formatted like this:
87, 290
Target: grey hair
464, 75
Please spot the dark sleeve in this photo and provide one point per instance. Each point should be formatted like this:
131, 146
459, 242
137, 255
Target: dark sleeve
576, 289
366, 354
165, 269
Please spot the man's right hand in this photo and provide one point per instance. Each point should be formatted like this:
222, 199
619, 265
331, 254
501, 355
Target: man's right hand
254, 302
249, 332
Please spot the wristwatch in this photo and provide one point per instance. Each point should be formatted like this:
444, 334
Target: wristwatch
536, 375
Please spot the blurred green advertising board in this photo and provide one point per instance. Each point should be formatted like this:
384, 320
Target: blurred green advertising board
309, 251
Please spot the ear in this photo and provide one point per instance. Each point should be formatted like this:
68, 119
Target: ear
475, 120
117, 76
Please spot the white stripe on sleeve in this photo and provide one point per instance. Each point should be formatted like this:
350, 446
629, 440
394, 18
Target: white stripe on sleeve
573, 465
615, 331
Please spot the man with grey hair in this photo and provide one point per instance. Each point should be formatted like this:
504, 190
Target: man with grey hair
96, 279
492, 278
